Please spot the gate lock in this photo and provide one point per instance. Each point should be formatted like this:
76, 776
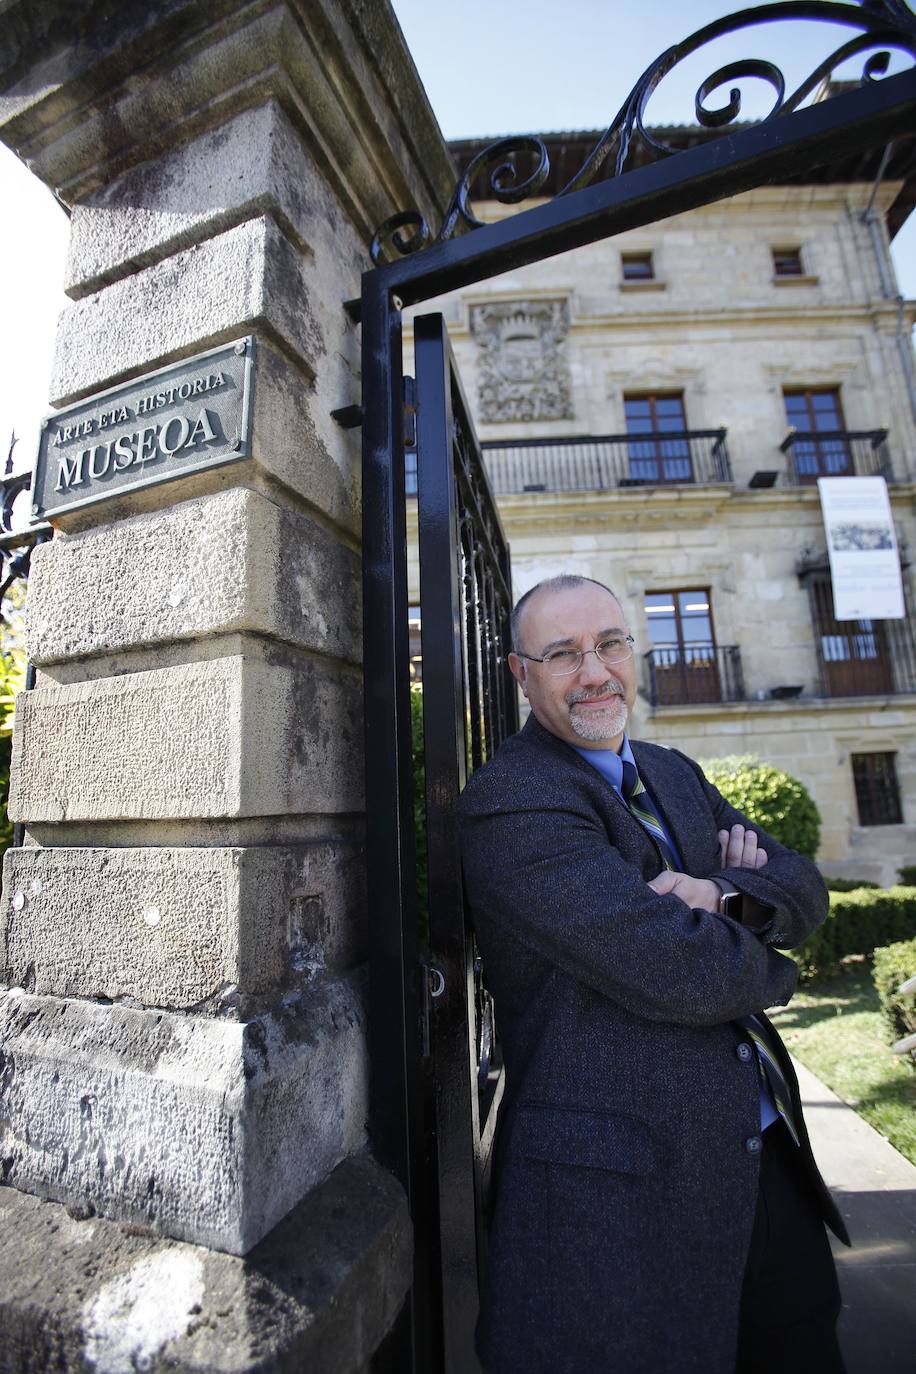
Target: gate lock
432, 986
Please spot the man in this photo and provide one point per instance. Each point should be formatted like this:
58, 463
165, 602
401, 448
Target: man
657, 1209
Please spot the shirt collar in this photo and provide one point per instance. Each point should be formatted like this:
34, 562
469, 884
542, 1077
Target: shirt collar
609, 764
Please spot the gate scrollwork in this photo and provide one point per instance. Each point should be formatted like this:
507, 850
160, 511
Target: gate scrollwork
883, 25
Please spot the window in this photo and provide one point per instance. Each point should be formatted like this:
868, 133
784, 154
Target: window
416, 657
812, 414
877, 793
410, 472
682, 662
656, 458
853, 653
787, 262
637, 266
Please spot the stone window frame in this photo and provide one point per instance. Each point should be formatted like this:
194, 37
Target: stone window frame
651, 281
783, 252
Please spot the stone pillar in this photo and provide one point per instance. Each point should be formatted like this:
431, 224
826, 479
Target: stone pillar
183, 1057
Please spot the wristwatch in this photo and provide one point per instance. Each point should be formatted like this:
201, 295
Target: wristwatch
731, 900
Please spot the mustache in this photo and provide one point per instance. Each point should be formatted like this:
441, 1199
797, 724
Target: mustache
611, 690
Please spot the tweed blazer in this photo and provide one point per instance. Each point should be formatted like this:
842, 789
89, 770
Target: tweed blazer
627, 1157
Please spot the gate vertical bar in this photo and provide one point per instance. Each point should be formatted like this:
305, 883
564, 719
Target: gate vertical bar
395, 1092
469, 707
445, 758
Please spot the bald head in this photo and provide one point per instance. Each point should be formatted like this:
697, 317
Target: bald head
563, 582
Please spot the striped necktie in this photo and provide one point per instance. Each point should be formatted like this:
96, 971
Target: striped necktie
640, 804
770, 1071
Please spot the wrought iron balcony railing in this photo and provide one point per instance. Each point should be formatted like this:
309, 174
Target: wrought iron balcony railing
871, 658
836, 453
694, 674
606, 462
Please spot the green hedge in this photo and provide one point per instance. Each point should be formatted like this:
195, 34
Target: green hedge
847, 884
908, 875
6, 825
893, 965
771, 798
858, 923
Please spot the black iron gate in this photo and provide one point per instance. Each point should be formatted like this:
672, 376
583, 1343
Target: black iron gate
469, 708
465, 591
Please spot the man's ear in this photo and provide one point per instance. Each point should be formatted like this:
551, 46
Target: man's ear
519, 671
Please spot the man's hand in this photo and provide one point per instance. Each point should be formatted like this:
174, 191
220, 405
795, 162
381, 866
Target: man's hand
738, 848
696, 892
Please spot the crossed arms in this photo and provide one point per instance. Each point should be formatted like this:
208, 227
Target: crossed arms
542, 875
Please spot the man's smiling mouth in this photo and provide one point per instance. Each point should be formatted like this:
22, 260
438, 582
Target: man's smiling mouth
596, 700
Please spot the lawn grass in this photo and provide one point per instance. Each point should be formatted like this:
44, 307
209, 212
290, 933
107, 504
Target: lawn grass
835, 1028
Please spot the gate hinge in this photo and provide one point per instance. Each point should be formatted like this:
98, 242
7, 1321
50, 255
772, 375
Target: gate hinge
432, 986
410, 412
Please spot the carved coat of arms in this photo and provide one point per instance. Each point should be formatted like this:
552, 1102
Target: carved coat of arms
523, 370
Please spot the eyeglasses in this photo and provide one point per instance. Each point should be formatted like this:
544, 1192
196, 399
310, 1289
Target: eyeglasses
565, 662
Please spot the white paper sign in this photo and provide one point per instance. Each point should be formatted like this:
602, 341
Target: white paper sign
862, 547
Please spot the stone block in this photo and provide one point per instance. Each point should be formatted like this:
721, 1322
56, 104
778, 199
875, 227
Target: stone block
202, 1129
212, 929
234, 561
253, 165
319, 1293
134, 83
248, 277
226, 737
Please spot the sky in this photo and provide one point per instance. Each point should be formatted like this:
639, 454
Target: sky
489, 67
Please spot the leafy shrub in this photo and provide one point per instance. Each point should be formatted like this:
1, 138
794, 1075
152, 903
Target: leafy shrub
858, 923
908, 875
893, 965
12, 678
847, 884
771, 798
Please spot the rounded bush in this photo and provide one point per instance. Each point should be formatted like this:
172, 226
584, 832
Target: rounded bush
893, 966
772, 799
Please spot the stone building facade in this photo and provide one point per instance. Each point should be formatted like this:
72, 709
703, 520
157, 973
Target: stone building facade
738, 327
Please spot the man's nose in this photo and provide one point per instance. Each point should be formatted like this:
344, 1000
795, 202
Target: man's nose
593, 671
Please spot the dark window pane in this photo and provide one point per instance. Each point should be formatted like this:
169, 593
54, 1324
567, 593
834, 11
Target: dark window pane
661, 616
787, 262
637, 266
877, 793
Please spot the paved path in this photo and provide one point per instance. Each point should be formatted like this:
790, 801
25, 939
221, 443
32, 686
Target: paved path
875, 1188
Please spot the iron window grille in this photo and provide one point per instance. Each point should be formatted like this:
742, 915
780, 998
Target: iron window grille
877, 792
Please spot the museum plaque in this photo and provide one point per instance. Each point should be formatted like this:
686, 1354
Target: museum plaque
192, 415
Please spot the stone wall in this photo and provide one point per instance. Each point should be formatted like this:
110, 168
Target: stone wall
182, 935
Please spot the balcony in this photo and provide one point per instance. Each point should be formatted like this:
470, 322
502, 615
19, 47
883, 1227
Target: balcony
836, 453
693, 675
870, 658
607, 462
